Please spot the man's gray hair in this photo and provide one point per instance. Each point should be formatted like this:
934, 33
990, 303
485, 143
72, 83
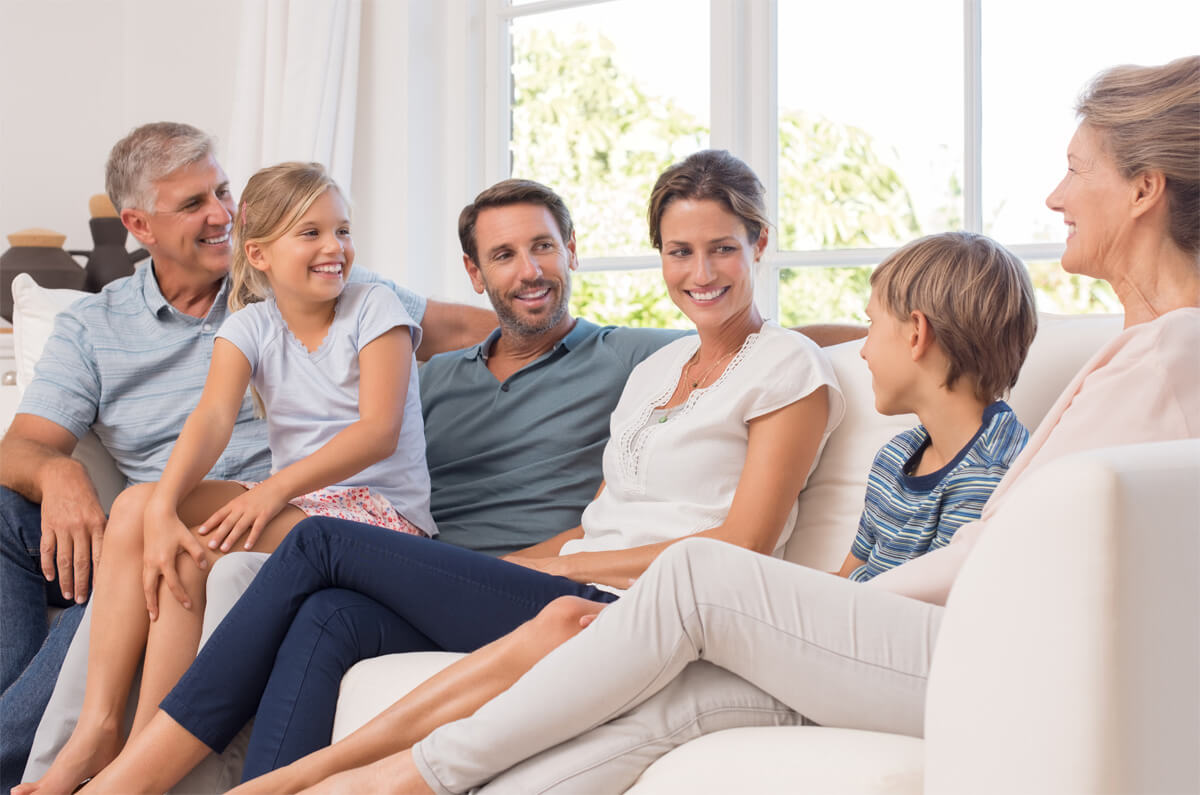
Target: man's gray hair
148, 154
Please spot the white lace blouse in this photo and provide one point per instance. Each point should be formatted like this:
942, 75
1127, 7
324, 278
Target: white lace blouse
669, 479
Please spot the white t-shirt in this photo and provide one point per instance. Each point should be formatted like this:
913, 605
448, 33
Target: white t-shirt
311, 397
667, 480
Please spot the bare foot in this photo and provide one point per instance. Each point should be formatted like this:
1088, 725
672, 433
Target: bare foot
84, 755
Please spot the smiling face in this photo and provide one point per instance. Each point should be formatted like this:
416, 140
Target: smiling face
708, 262
187, 233
309, 262
1094, 200
524, 267
888, 354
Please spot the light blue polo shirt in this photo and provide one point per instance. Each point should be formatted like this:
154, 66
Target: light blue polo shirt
131, 367
512, 463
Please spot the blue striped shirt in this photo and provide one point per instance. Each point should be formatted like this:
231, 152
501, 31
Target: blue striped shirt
131, 367
905, 515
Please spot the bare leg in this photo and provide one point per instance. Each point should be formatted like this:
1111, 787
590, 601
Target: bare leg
120, 628
119, 624
454, 693
395, 774
175, 636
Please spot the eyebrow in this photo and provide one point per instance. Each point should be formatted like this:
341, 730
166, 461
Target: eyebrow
493, 251
710, 242
186, 200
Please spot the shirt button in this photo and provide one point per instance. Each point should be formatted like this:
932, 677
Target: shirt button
504, 387
207, 327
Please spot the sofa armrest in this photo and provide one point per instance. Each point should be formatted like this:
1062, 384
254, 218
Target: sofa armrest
1068, 657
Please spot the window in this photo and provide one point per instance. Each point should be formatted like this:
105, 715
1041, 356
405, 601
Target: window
870, 122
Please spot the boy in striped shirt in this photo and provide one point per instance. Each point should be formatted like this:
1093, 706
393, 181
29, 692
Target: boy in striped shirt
951, 319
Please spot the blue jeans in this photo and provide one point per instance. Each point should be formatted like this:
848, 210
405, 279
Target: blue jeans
440, 597
31, 653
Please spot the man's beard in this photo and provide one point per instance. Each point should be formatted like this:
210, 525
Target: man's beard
513, 321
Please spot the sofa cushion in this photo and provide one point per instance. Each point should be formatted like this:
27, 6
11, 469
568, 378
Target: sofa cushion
788, 759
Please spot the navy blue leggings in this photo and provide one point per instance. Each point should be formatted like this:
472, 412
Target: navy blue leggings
442, 596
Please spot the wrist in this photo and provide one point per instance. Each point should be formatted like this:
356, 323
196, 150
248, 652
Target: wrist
62, 472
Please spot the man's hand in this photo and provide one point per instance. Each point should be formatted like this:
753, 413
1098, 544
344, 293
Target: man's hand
35, 462
164, 538
72, 530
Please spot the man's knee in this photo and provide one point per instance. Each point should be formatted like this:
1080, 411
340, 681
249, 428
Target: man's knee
233, 573
229, 578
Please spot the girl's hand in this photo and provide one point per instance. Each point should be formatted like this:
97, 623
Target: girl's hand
164, 537
250, 511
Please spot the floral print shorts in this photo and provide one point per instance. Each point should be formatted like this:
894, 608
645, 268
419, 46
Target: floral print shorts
356, 503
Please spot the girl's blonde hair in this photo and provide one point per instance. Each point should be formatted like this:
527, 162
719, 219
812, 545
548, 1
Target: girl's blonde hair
274, 200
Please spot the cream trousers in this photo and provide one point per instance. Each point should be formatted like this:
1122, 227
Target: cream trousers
711, 637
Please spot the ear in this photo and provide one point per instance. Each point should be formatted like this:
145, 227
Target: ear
760, 245
138, 224
473, 273
573, 263
1148, 189
256, 256
921, 337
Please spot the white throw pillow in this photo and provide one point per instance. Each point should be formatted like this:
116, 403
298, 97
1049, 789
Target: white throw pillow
34, 309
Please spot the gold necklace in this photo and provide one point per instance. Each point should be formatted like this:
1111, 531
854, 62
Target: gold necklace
687, 371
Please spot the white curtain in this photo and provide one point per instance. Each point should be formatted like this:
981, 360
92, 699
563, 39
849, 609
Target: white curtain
296, 87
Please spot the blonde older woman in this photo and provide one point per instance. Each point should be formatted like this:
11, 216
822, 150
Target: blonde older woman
727, 638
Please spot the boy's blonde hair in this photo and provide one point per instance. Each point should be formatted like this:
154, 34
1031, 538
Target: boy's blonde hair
274, 200
978, 300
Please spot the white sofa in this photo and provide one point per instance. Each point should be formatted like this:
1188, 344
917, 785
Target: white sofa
1069, 656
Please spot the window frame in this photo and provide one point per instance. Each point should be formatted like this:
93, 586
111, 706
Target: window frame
744, 81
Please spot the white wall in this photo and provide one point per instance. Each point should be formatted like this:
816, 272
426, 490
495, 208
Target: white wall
76, 75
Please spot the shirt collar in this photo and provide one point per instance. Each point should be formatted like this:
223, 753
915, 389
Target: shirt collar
583, 328
157, 302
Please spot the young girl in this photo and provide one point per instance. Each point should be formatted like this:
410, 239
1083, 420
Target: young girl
333, 366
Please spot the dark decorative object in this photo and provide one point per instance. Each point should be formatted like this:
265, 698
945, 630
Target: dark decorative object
108, 260
39, 253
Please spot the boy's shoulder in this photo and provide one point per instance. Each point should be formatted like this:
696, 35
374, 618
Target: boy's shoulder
1000, 439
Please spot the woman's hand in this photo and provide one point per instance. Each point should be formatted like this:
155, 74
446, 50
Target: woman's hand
553, 565
250, 511
164, 537
568, 566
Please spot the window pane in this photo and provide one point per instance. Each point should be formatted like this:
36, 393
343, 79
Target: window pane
870, 121
823, 295
625, 298
1037, 57
599, 109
